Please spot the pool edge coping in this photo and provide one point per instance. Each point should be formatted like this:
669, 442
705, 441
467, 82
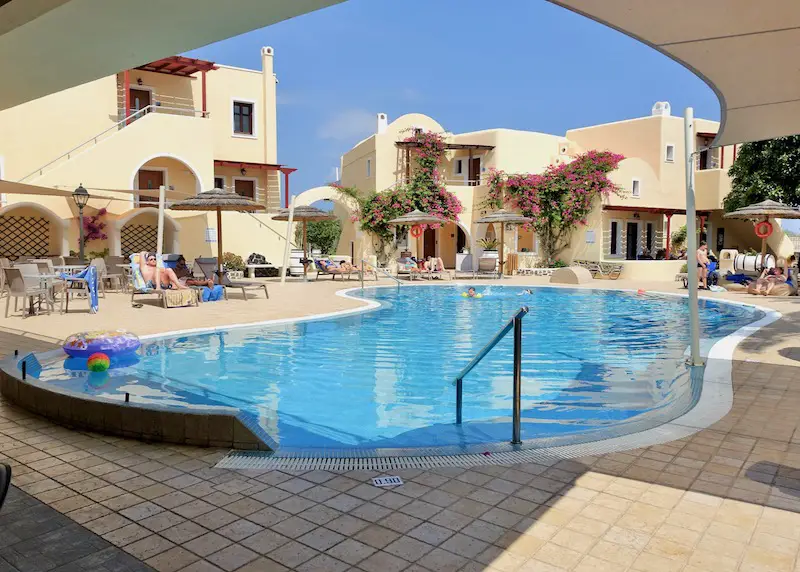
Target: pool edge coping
708, 409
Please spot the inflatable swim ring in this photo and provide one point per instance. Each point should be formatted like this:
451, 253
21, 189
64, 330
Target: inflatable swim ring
112, 343
465, 295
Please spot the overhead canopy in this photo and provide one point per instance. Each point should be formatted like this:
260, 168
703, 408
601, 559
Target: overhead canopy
741, 48
448, 146
50, 45
178, 65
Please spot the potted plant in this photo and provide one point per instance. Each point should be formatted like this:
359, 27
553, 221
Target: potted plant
488, 243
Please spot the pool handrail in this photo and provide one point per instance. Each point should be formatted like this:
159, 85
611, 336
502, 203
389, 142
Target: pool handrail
515, 323
364, 263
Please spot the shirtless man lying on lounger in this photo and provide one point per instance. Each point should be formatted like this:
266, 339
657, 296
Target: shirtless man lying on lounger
167, 275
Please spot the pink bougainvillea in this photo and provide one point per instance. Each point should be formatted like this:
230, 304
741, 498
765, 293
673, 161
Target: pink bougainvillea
426, 191
93, 227
559, 199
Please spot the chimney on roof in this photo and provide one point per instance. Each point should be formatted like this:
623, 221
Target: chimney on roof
383, 123
661, 108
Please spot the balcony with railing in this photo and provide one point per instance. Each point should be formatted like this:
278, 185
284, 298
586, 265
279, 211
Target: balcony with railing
136, 90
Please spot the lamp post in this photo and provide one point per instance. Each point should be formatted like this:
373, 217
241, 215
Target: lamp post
81, 197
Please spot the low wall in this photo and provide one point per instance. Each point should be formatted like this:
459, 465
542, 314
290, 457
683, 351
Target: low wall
204, 428
649, 270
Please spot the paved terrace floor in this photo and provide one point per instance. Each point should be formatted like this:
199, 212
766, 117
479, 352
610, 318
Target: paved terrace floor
724, 499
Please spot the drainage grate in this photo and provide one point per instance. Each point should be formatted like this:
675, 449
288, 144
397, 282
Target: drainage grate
242, 460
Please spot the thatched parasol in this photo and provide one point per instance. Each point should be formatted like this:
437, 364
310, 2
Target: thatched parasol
503, 217
762, 212
218, 200
305, 214
414, 218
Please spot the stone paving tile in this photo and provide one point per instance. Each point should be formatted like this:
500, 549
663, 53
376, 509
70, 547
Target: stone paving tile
725, 498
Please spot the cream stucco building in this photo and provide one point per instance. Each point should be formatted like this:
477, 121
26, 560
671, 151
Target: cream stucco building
623, 228
187, 124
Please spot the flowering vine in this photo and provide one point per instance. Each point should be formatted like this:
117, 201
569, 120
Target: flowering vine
425, 191
93, 227
559, 199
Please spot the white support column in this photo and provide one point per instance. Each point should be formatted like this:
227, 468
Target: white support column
691, 240
160, 240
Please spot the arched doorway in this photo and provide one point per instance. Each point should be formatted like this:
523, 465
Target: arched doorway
30, 229
172, 172
137, 231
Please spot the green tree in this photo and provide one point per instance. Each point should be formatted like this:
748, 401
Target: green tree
765, 170
323, 234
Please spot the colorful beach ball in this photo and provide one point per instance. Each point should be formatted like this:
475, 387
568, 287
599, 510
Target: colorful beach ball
98, 362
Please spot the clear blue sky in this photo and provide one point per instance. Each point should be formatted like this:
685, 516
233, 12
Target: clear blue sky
469, 64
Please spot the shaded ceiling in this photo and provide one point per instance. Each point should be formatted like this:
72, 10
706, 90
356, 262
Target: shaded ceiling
50, 45
745, 50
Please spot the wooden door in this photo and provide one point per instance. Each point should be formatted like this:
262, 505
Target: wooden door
245, 188
429, 243
474, 171
150, 180
139, 99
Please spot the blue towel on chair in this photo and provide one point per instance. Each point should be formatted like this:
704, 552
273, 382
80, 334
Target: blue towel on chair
90, 275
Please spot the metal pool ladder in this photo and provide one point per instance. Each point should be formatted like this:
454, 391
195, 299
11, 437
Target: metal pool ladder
515, 323
364, 264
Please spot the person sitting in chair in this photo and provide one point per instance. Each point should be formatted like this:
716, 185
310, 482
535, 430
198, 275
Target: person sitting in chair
167, 278
211, 292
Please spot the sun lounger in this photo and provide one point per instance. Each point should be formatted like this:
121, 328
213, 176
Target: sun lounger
209, 268
487, 267
601, 270
332, 272
169, 298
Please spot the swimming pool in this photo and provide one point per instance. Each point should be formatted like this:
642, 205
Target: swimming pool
595, 363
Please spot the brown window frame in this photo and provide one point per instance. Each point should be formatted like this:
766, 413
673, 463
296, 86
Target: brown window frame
238, 124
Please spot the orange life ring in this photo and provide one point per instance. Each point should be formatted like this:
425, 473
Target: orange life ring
416, 231
763, 229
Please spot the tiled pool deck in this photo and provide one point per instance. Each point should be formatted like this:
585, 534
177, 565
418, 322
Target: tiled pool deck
726, 498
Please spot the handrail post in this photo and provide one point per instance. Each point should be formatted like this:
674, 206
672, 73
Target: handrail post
361, 273
459, 399
517, 405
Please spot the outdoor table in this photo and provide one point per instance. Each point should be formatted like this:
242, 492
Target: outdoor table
70, 268
43, 277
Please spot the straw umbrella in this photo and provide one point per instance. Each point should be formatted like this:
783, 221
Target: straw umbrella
416, 217
761, 212
305, 214
218, 200
503, 217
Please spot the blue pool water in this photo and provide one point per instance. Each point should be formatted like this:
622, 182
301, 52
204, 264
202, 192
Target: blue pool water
595, 363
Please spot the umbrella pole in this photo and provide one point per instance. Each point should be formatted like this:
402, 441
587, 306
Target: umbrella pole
288, 241
305, 251
219, 244
764, 247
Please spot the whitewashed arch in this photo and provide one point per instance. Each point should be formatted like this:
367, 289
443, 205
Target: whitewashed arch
60, 225
115, 230
198, 183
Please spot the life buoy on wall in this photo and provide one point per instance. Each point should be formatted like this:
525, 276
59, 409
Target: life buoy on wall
416, 231
763, 229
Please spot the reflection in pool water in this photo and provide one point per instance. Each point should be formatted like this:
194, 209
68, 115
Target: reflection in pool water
594, 363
